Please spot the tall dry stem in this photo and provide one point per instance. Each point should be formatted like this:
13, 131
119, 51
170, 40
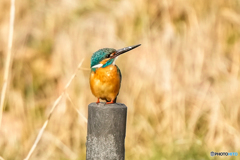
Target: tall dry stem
50, 114
8, 59
75, 108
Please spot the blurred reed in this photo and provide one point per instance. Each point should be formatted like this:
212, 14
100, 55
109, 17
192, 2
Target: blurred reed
182, 87
8, 65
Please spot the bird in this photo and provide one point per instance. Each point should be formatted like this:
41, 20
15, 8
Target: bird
105, 77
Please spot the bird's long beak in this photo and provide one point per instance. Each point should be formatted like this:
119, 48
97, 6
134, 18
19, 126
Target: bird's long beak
124, 50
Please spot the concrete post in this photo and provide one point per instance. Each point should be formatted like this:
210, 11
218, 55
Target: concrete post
106, 131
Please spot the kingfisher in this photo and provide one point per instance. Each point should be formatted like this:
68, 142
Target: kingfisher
105, 78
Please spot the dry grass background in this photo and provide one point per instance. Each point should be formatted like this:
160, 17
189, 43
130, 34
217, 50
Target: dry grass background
182, 86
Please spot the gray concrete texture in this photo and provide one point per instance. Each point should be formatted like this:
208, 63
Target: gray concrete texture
106, 131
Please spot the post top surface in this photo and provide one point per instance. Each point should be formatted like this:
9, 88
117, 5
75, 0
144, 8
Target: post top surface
104, 105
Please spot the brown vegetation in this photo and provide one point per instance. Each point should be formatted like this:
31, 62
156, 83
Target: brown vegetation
182, 86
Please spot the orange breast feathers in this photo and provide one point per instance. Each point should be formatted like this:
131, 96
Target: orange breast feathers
105, 82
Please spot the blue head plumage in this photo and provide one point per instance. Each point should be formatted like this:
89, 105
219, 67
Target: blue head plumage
106, 56
102, 54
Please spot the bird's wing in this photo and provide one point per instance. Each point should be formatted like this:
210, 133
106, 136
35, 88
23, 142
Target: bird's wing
119, 74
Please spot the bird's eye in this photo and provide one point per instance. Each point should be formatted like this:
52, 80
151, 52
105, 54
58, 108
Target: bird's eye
108, 56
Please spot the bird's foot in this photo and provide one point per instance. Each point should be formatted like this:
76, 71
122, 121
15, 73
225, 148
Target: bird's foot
110, 102
98, 101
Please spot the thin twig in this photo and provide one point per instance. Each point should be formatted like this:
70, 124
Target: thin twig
67, 151
85, 69
8, 59
50, 114
84, 118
